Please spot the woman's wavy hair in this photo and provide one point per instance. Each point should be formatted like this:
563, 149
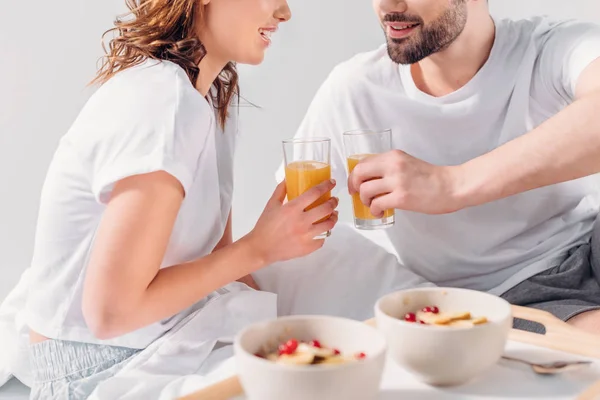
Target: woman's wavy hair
164, 30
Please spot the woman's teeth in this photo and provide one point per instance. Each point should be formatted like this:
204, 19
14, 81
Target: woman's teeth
266, 34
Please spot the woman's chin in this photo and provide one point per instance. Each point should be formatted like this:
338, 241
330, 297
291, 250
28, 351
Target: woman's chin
252, 59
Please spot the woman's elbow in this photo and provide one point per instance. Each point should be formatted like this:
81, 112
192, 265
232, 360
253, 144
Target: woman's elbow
102, 323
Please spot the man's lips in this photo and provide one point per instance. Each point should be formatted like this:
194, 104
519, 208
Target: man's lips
400, 30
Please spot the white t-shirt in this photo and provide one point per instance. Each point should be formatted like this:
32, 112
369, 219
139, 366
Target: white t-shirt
144, 119
529, 77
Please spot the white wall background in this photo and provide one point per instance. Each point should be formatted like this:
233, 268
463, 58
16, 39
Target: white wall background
49, 56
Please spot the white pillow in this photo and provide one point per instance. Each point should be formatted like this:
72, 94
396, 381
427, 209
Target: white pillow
344, 278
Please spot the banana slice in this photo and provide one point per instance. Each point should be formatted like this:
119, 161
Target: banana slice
442, 318
445, 319
298, 358
462, 316
461, 324
335, 360
316, 351
428, 318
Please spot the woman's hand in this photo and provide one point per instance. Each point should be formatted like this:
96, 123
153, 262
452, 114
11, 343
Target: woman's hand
287, 231
249, 280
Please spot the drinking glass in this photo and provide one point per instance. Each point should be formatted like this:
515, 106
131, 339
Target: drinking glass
307, 164
360, 144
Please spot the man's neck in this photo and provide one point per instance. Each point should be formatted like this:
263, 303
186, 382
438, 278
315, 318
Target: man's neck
449, 70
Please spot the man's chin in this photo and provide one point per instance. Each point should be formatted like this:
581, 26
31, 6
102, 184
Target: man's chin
402, 53
397, 56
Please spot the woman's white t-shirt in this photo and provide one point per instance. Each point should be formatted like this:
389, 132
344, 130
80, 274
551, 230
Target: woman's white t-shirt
147, 118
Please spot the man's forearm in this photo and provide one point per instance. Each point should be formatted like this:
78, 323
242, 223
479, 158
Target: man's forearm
565, 147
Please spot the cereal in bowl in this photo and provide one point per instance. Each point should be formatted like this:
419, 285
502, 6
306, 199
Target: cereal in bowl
294, 352
431, 315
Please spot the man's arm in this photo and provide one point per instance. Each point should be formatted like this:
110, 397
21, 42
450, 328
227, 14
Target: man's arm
564, 148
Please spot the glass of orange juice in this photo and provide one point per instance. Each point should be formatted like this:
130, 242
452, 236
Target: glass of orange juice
359, 145
307, 163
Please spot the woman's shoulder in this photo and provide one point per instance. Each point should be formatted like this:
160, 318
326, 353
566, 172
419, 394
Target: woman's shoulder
153, 93
151, 107
153, 84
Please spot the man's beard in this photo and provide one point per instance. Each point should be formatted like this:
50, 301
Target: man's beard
430, 39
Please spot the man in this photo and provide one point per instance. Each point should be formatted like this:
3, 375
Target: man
497, 131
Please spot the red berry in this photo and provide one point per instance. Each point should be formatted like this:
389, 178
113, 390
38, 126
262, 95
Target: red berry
410, 317
288, 348
259, 355
432, 309
360, 356
315, 343
422, 322
336, 352
283, 349
292, 345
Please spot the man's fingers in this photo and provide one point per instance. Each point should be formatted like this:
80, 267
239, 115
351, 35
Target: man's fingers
381, 204
350, 185
366, 170
372, 189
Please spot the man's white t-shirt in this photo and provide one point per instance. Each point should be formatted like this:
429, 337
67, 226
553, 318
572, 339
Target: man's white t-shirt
530, 76
144, 119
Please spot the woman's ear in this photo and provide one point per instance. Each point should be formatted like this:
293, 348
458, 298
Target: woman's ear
205, 2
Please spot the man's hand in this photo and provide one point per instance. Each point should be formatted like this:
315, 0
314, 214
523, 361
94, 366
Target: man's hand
398, 180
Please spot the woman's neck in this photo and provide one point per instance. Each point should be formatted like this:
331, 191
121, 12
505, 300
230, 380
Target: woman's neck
210, 68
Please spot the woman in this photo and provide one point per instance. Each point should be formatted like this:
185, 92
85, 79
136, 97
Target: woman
142, 181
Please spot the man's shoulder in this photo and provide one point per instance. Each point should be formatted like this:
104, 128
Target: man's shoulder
540, 28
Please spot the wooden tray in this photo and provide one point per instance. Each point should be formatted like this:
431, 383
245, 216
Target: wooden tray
592, 393
559, 336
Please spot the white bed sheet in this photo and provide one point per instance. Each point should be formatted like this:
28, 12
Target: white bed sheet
344, 279
14, 390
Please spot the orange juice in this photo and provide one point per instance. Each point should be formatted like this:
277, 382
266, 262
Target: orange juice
360, 210
303, 175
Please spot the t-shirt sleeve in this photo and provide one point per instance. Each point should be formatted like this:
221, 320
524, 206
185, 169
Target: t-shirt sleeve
569, 48
142, 130
320, 121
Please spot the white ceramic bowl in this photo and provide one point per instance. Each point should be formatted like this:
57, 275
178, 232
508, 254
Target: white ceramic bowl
265, 380
444, 356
